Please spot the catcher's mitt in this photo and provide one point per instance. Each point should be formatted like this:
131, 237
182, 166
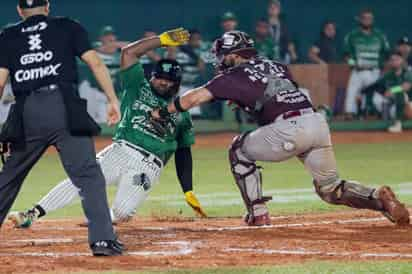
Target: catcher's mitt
159, 126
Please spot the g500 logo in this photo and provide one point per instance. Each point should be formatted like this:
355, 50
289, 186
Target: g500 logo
36, 57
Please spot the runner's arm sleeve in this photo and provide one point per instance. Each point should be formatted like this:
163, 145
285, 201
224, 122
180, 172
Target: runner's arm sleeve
184, 168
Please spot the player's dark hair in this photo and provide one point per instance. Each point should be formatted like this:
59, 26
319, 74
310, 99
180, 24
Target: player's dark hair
365, 11
323, 26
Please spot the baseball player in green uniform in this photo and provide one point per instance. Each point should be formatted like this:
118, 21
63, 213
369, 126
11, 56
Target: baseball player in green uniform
264, 44
396, 87
141, 148
365, 48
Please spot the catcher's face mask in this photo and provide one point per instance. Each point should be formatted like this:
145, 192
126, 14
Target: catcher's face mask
232, 42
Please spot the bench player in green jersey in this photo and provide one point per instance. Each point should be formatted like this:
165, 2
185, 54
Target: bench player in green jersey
365, 48
396, 86
140, 150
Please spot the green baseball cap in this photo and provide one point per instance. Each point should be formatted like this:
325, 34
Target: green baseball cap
229, 16
106, 30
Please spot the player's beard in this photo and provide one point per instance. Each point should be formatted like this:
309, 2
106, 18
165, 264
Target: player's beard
229, 62
164, 93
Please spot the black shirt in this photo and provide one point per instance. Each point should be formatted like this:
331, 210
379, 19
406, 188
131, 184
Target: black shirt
41, 51
328, 51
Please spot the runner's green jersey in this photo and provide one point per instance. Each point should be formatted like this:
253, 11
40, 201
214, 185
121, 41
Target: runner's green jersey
137, 101
368, 51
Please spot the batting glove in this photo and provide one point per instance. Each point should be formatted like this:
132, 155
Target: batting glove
174, 38
193, 202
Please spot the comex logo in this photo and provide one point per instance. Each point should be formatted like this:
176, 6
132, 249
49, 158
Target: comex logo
35, 42
37, 73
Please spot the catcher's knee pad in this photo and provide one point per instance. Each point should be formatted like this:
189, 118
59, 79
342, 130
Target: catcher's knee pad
349, 193
247, 176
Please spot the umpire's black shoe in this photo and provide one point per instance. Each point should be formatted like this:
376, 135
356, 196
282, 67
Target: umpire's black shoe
106, 248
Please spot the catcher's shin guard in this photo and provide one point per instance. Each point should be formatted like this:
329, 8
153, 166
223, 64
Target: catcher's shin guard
248, 178
349, 193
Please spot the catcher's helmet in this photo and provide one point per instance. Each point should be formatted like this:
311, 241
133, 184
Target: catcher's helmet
237, 42
170, 70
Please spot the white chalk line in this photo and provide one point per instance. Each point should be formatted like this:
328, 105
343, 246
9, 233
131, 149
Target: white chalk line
39, 242
319, 253
353, 221
43, 241
239, 228
186, 248
183, 248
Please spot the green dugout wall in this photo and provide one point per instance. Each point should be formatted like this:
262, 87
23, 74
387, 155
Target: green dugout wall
304, 17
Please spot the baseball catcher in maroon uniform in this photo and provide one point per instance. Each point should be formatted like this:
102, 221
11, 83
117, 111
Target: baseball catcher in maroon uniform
288, 127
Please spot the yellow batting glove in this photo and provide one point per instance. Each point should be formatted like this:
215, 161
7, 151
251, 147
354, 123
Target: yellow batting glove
174, 38
193, 202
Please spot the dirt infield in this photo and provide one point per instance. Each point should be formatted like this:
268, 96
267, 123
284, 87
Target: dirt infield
188, 243
171, 243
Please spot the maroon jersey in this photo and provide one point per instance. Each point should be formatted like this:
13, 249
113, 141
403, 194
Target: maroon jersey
261, 87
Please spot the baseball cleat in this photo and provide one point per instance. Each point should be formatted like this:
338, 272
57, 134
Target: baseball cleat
106, 248
261, 220
394, 210
194, 203
23, 219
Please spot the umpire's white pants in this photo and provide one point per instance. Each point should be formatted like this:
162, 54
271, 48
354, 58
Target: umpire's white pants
358, 81
134, 174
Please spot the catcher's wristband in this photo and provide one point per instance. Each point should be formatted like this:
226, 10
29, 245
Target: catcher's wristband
178, 106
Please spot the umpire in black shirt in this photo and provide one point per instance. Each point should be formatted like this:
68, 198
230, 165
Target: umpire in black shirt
39, 56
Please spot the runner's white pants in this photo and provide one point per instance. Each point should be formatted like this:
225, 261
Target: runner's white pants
134, 174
